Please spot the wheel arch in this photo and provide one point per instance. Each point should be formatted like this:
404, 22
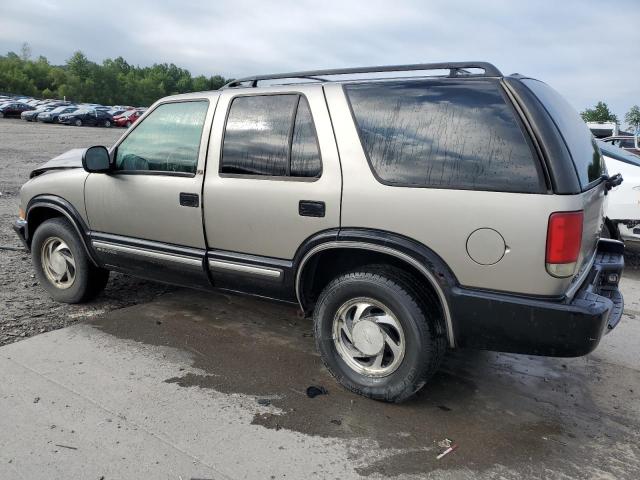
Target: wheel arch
45, 207
357, 247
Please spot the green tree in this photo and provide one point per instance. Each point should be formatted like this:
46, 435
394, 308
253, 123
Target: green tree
599, 113
632, 117
113, 82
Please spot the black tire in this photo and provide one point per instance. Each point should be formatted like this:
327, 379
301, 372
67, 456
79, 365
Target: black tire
89, 280
78, 123
418, 314
128, 124
107, 124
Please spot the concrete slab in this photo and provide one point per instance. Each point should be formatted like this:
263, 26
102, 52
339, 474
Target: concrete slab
198, 385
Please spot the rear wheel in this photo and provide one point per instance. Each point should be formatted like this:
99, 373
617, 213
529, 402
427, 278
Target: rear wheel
128, 124
62, 266
78, 123
107, 123
1, 114
377, 334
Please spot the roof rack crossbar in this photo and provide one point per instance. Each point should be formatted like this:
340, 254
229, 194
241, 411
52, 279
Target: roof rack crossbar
455, 69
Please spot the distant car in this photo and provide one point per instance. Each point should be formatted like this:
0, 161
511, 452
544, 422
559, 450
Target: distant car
32, 115
127, 119
622, 213
14, 109
87, 117
627, 142
53, 115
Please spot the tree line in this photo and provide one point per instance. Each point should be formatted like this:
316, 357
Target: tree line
114, 82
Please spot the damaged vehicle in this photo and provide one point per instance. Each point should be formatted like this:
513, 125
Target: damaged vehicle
622, 215
405, 215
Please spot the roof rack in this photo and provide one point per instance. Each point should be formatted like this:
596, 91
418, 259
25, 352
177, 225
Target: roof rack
456, 69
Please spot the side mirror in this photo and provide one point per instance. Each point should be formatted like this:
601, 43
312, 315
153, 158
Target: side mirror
96, 160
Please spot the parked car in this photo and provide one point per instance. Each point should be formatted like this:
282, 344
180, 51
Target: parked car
32, 115
629, 143
54, 115
14, 109
622, 215
405, 215
127, 119
87, 117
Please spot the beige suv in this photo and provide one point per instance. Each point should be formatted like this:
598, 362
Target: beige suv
409, 209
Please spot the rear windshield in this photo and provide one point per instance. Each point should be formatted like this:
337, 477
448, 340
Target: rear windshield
577, 136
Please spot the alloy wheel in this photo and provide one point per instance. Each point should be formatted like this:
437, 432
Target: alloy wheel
58, 263
368, 337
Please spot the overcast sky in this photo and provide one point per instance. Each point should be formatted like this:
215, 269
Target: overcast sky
588, 50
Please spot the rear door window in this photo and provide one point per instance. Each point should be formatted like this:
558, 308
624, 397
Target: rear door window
270, 135
577, 136
444, 134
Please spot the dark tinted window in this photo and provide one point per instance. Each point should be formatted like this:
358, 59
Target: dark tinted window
168, 140
580, 142
265, 136
443, 134
305, 156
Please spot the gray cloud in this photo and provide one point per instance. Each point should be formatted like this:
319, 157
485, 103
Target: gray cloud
575, 45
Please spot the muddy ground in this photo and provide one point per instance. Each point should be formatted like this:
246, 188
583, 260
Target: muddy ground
25, 309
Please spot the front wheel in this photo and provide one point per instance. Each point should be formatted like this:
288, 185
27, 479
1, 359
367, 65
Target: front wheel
107, 123
62, 265
128, 124
78, 123
377, 334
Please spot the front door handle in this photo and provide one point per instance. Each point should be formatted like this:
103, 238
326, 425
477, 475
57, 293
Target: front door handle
189, 199
311, 208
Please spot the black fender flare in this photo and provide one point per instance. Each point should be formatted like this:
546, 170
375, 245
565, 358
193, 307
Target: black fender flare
67, 210
423, 259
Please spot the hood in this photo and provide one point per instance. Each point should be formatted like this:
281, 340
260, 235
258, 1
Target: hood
618, 153
69, 159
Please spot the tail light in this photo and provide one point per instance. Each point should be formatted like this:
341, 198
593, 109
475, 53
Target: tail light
564, 238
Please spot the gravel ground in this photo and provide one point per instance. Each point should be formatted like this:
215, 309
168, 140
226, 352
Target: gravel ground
25, 309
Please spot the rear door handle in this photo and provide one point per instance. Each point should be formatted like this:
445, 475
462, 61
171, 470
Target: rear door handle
189, 199
311, 208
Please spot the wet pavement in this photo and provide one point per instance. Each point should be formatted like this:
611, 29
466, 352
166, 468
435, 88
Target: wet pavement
220, 382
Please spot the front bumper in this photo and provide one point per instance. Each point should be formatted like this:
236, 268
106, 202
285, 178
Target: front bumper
563, 328
20, 227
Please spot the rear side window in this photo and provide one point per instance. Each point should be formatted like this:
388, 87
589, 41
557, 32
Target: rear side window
577, 136
270, 135
443, 134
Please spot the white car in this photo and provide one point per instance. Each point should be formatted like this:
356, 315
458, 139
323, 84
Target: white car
623, 205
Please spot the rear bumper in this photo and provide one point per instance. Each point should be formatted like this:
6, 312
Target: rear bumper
562, 328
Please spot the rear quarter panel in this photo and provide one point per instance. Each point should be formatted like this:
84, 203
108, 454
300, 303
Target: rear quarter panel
443, 219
